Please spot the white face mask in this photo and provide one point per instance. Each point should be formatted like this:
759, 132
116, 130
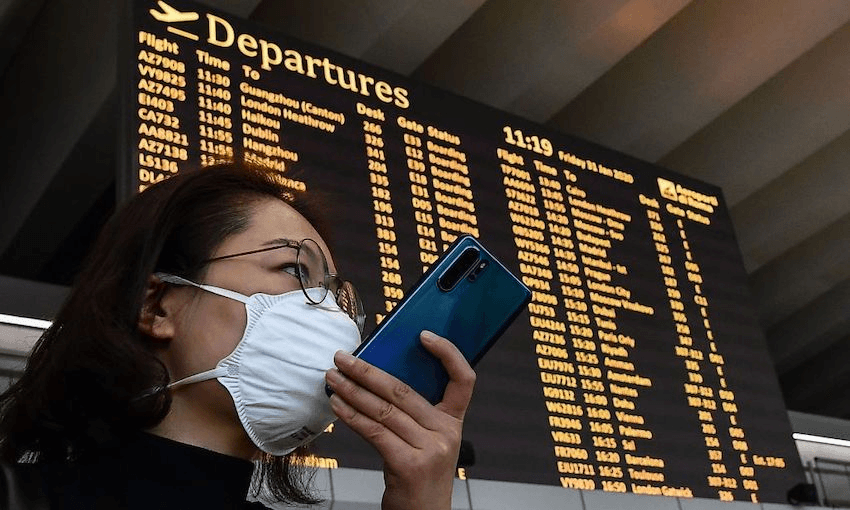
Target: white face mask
276, 374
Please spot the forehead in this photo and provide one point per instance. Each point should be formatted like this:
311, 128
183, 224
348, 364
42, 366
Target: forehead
270, 219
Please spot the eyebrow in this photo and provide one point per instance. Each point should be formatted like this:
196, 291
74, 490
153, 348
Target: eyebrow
278, 241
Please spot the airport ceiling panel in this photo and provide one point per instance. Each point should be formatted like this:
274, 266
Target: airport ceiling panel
792, 115
815, 189
397, 35
547, 54
703, 61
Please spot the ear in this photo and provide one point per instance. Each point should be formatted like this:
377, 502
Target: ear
154, 319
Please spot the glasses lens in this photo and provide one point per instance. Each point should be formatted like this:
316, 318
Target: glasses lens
312, 271
349, 301
316, 282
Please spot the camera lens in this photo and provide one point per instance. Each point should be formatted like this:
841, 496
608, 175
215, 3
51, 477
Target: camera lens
466, 261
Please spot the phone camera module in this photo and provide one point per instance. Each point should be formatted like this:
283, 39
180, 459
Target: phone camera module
466, 262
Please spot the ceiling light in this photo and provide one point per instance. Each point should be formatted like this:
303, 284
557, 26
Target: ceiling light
820, 439
24, 321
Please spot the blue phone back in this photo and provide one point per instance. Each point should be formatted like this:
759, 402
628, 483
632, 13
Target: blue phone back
472, 315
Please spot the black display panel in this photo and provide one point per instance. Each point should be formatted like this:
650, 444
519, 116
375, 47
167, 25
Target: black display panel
639, 365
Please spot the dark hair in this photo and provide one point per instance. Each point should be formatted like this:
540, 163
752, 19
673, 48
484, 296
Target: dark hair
80, 389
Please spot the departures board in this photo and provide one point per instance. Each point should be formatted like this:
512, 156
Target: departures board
639, 365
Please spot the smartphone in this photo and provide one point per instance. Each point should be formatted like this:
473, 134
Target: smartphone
466, 296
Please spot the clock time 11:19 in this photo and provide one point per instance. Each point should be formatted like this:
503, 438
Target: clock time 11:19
533, 143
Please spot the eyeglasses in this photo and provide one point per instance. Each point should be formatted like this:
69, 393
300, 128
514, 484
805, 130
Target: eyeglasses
311, 269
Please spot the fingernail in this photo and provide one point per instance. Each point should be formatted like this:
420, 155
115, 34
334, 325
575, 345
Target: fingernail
335, 401
428, 336
333, 376
343, 358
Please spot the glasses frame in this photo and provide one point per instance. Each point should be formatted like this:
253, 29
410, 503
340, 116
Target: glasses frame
332, 281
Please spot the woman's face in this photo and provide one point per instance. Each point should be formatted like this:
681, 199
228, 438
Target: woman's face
207, 326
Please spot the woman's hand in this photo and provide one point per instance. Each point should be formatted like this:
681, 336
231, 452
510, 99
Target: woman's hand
418, 442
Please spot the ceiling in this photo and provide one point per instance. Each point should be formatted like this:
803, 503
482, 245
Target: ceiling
750, 95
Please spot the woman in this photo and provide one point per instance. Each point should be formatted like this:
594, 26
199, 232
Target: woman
198, 338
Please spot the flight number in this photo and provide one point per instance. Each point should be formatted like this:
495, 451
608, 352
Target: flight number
148, 161
577, 483
571, 452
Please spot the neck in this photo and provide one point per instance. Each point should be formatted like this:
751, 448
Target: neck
197, 425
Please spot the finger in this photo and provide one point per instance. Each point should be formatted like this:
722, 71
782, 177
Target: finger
388, 388
385, 441
461, 375
375, 408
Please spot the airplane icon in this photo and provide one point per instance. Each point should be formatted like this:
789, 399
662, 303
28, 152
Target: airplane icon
171, 15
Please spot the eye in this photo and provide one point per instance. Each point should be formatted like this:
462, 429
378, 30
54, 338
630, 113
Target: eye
292, 270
